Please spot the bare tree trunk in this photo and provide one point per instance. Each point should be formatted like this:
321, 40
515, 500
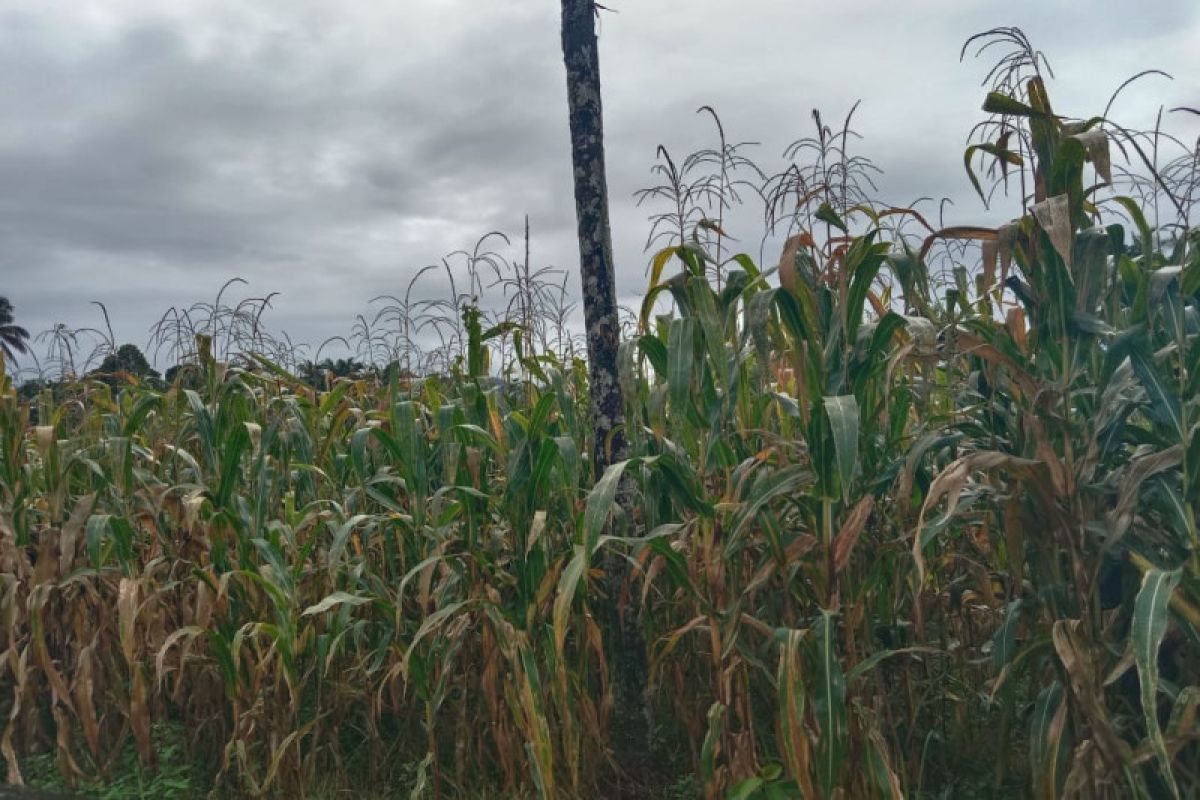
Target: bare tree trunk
630, 728
582, 59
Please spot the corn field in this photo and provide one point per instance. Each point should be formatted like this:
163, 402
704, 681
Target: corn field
911, 512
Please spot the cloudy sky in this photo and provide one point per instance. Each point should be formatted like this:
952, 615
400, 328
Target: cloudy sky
150, 151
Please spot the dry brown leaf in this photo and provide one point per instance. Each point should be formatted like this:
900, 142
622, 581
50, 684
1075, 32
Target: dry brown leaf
847, 537
950, 484
84, 701
989, 252
18, 664
1014, 321
1122, 514
1054, 215
69, 537
1095, 143
63, 756
127, 608
44, 436
37, 605
139, 717
536, 528
1006, 241
1014, 541
1080, 661
787, 259
970, 344
1045, 453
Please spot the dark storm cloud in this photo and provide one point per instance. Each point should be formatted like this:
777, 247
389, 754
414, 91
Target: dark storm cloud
292, 166
147, 155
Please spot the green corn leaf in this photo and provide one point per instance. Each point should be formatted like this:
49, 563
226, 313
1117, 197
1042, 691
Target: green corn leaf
782, 483
655, 352
567, 585
540, 418
1090, 268
758, 323
1183, 715
1190, 285
1000, 103
784, 790
331, 399
679, 364
744, 789
335, 599
1150, 617
409, 444
1175, 511
568, 451
341, 537
829, 706
1164, 399
864, 259
1004, 643
683, 484
1047, 727
1134, 210
431, 623
141, 410
1001, 154
358, 453
599, 505
826, 214
538, 744
794, 742
798, 313
876, 658
547, 457
480, 436
842, 411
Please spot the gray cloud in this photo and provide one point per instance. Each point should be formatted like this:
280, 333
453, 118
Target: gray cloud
147, 155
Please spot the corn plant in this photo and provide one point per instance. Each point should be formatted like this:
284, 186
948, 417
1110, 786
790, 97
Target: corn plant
902, 515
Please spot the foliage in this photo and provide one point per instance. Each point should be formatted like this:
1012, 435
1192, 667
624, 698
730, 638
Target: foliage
174, 780
127, 358
125, 363
890, 535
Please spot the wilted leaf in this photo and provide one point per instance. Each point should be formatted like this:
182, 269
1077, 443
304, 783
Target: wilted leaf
1054, 215
950, 484
1095, 143
847, 537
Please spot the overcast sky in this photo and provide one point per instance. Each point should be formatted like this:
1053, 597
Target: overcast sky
327, 150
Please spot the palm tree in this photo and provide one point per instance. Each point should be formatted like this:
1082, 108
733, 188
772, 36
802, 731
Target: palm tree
12, 337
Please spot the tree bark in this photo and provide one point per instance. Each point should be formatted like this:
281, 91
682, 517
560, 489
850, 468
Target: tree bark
582, 60
630, 722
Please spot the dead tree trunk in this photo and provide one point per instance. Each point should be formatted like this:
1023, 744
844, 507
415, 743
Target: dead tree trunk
595, 240
630, 727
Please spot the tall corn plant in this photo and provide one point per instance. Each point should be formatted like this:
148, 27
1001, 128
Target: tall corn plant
292, 573
771, 420
1079, 452
870, 550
